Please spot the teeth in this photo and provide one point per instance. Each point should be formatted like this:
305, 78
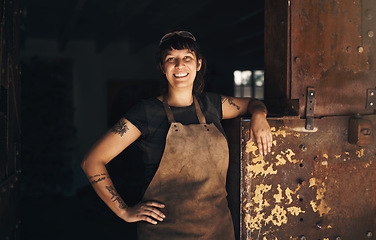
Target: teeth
181, 74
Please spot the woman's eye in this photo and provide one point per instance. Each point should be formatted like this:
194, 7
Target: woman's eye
188, 57
169, 59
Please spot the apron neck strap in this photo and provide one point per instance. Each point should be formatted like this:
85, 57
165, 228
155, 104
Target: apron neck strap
170, 115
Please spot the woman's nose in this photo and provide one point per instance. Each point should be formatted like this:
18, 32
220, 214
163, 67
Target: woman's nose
179, 63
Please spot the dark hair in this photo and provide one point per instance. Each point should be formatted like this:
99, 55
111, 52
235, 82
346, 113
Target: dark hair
178, 42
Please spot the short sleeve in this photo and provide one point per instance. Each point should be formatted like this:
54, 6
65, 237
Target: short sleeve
215, 100
137, 116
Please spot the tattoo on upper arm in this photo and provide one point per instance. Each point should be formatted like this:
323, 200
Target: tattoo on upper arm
230, 101
116, 198
120, 127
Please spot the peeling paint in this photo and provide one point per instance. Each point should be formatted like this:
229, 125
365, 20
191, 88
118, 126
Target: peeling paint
338, 156
312, 182
279, 132
325, 156
250, 147
360, 153
278, 216
324, 163
258, 199
320, 205
288, 193
281, 160
268, 204
259, 166
278, 197
295, 210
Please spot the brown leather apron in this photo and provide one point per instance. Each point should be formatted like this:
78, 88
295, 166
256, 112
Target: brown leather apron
191, 182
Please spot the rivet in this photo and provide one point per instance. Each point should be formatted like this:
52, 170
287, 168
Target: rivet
297, 60
360, 49
303, 148
302, 182
372, 93
371, 103
303, 238
348, 49
369, 234
338, 238
371, 34
318, 225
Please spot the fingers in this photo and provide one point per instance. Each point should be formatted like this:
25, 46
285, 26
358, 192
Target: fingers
250, 136
262, 134
147, 212
264, 143
154, 212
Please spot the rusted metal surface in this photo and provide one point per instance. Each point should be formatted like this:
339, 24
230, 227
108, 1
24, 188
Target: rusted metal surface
314, 184
327, 45
276, 45
328, 52
319, 181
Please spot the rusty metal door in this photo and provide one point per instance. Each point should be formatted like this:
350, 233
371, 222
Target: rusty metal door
9, 120
319, 182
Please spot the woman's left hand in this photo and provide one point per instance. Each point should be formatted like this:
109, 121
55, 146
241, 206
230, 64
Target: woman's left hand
260, 131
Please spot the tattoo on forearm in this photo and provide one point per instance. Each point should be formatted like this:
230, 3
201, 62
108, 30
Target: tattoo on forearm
98, 180
120, 127
99, 177
230, 101
116, 198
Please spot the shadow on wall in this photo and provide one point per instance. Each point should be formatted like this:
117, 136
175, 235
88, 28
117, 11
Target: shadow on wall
48, 208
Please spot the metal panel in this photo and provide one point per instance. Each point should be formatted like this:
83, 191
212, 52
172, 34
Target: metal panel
331, 52
314, 184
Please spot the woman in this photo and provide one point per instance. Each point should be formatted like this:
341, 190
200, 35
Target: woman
185, 150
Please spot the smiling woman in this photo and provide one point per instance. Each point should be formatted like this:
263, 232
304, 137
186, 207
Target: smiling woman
185, 151
180, 67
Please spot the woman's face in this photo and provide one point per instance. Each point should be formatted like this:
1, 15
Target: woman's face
180, 68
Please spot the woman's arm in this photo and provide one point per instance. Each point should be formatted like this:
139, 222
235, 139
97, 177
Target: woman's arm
260, 130
94, 165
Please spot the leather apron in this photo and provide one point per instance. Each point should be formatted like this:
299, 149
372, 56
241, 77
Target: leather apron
191, 183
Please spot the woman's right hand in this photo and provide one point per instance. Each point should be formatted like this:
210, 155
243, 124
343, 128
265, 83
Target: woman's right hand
147, 211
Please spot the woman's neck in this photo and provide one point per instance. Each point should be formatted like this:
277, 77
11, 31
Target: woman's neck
180, 99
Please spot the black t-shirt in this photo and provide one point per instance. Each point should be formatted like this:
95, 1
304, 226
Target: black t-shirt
150, 118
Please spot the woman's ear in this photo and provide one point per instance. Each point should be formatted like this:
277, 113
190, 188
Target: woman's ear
199, 63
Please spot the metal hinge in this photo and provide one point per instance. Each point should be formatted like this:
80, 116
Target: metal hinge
371, 98
310, 108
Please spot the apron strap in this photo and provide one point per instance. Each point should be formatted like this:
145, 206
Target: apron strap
168, 110
170, 115
200, 115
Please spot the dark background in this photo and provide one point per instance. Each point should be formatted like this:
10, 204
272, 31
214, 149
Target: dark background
83, 64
